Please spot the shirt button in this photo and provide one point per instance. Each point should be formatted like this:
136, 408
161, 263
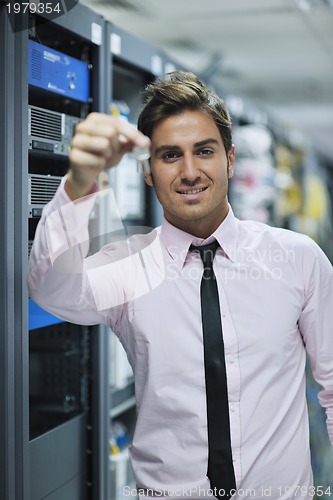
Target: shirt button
231, 360
232, 408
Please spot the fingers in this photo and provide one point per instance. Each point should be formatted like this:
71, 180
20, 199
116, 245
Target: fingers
111, 128
99, 143
107, 137
96, 145
90, 161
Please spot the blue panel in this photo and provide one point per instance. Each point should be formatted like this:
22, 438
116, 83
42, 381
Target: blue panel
38, 317
56, 72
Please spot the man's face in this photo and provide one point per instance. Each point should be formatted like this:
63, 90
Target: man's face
190, 172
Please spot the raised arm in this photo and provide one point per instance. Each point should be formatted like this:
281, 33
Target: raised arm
56, 279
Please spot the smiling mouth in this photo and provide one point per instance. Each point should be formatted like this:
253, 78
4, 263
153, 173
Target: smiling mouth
192, 191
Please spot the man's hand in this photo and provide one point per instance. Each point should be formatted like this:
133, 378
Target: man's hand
99, 143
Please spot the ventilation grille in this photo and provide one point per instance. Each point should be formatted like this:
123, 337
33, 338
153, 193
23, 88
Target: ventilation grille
36, 64
42, 188
45, 125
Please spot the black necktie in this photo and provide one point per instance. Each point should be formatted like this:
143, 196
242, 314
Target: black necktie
220, 469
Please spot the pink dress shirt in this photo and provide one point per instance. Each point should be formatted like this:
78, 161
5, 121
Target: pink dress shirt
276, 295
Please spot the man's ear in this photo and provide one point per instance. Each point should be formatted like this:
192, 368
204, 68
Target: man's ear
148, 179
231, 161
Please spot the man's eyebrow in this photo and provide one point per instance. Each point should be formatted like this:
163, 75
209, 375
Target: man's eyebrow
175, 147
166, 147
205, 142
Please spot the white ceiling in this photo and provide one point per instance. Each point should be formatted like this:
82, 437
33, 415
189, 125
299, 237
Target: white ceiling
273, 51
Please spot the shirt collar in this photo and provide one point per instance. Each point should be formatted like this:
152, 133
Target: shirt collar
177, 242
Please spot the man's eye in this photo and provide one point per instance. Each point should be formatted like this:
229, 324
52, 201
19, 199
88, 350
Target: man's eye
170, 156
204, 152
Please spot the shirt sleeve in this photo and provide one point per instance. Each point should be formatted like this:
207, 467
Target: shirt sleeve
56, 277
316, 324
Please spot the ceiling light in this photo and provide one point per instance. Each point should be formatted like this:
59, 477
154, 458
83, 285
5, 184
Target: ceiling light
303, 5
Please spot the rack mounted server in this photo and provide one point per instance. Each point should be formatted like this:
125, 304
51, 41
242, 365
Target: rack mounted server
50, 131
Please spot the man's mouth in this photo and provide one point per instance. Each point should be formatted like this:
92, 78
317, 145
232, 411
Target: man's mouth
192, 191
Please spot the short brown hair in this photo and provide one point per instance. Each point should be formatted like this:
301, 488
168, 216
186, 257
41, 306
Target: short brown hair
180, 91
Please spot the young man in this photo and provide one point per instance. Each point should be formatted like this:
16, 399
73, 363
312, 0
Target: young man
275, 292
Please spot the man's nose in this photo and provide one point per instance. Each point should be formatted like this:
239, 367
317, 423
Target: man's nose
189, 168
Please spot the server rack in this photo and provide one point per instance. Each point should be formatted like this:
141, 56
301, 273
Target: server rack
49, 450
81, 474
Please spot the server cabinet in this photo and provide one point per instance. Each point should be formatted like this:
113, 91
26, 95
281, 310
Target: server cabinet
54, 444
66, 410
